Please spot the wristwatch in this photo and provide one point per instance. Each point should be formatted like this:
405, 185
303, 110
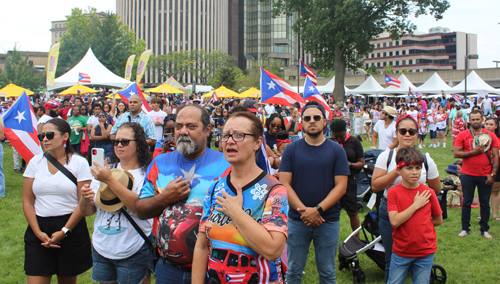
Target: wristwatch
66, 231
494, 175
320, 210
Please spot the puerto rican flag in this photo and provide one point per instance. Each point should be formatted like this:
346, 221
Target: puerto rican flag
131, 90
83, 78
389, 80
20, 128
215, 97
308, 72
312, 94
456, 97
262, 159
275, 90
235, 278
419, 95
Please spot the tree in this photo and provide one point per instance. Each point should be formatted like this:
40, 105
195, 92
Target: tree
372, 70
111, 41
337, 33
405, 71
389, 69
19, 71
226, 76
252, 76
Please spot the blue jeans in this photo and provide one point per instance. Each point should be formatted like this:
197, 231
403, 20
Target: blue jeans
487, 111
385, 227
167, 273
420, 269
325, 239
469, 184
2, 175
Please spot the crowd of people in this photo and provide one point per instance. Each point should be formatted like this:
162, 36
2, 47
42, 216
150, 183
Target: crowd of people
188, 193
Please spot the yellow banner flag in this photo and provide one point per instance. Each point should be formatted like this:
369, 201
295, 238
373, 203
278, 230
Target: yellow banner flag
141, 66
52, 64
128, 67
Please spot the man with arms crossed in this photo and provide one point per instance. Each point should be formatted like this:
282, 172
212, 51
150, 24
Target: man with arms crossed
314, 171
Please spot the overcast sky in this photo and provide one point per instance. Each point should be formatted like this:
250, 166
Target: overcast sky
27, 23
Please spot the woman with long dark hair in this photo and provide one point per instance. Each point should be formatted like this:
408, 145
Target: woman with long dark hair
122, 246
274, 124
491, 124
57, 239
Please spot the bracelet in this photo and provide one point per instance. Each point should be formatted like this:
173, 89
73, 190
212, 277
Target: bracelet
90, 202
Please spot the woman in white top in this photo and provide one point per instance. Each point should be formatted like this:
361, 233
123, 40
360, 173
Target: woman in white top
116, 243
367, 121
57, 239
385, 176
441, 125
432, 127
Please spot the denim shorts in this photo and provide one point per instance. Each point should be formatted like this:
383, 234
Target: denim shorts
433, 134
441, 129
421, 136
132, 269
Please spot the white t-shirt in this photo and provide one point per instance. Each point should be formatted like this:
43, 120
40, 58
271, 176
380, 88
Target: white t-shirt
422, 128
270, 109
432, 122
45, 118
487, 103
158, 116
497, 105
440, 124
413, 114
382, 164
385, 135
114, 237
93, 120
56, 195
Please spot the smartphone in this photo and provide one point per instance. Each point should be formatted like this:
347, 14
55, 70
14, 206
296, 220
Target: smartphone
98, 157
168, 136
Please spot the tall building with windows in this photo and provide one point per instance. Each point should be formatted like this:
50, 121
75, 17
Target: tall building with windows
440, 49
174, 25
59, 28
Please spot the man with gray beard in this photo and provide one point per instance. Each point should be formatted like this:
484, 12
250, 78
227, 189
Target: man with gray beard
174, 191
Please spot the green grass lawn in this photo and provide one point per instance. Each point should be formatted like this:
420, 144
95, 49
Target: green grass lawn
472, 259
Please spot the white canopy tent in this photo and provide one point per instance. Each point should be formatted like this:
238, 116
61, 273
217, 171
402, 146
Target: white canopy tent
369, 87
326, 89
403, 89
475, 85
201, 88
434, 85
90, 65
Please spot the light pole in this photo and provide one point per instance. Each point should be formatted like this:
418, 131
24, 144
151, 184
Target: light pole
467, 57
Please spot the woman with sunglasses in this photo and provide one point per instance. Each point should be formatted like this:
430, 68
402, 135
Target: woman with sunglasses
120, 254
274, 124
57, 239
385, 176
101, 133
244, 213
84, 111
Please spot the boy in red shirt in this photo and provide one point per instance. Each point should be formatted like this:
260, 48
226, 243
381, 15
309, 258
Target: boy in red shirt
413, 211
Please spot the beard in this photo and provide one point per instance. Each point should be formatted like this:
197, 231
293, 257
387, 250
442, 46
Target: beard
185, 145
53, 113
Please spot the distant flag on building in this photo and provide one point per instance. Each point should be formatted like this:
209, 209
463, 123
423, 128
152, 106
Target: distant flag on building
312, 94
389, 80
456, 97
308, 72
275, 90
83, 78
20, 126
131, 90
215, 97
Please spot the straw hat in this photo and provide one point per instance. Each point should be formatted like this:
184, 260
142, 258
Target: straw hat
482, 139
106, 199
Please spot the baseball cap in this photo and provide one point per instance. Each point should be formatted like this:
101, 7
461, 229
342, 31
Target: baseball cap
250, 105
51, 104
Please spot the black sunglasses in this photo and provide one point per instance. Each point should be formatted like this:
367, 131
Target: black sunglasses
49, 135
124, 142
411, 131
316, 117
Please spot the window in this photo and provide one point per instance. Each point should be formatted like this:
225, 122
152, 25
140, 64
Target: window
385, 64
397, 63
397, 52
244, 261
56, 34
397, 42
378, 45
390, 43
378, 64
404, 52
378, 54
410, 62
404, 62
391, 63
385, 44
232, 260
390, 53
385, 54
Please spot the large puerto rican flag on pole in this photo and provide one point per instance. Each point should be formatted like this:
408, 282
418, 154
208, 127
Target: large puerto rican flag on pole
308, 72
389, 80
20, 128
312, 94
131, 90
275, 90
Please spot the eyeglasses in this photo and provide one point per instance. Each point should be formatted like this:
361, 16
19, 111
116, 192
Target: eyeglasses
316, 117
237, 137
411, 131
49, 135
273, 125
124, 142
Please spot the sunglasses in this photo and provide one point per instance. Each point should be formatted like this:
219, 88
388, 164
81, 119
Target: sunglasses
124, 142
316, 117
49, 135
411, 131
275, 125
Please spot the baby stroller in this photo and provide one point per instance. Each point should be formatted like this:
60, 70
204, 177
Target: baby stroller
364, 178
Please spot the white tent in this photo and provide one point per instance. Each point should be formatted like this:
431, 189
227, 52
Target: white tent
434, 85
328, 88
369, 87
99, 75
474, 85
201, 88
403, 89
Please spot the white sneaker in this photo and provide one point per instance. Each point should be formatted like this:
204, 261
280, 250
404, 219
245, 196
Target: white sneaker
420, 146
437, 145
423, 145
434, 146
444, 146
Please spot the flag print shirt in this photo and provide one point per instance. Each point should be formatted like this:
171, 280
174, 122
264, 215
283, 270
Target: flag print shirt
231, 259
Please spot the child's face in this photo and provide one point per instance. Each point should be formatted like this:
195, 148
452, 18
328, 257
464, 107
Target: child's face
281, 149
410, 174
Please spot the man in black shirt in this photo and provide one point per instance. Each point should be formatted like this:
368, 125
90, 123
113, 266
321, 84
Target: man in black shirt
356, 159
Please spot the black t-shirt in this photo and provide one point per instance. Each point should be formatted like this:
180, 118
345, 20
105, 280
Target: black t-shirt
271, 140
353, 150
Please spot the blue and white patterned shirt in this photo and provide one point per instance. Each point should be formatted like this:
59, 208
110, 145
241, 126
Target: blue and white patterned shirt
142, 119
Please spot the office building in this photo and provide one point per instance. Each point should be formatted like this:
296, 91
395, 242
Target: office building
59, 28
